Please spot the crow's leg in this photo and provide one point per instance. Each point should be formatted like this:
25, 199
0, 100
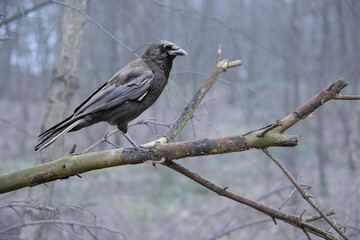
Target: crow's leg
127, 136
123, 127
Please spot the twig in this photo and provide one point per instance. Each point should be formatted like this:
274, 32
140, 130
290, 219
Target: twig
24, 12
151, 121
5, 38
287, 199
347, 97
104, 139
73, 148
82, 12
53, 221
219, 52
318, 216
101, 140
304, 194
307, 234
249, 224
17, 126
268, 129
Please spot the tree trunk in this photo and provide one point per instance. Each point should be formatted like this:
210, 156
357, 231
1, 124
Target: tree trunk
63, 84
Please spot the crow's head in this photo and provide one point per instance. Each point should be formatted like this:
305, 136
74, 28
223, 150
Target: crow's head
164, 50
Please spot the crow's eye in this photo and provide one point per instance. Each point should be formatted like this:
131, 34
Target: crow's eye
166, 47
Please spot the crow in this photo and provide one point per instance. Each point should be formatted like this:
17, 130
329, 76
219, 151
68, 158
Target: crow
124, 96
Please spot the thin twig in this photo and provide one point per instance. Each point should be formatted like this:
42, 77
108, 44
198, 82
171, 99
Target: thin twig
23, 13
249, 224
307, 234
105, 138
5, 38
101, 140
52, 221
287, 199
82, 12
347, 97
268, 129
318, 216
304, 194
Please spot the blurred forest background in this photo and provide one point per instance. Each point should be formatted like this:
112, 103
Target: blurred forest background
290, 50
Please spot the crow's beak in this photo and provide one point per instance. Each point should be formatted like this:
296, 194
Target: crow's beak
177, 51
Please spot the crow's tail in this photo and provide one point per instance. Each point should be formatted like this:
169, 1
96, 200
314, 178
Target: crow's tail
52, 134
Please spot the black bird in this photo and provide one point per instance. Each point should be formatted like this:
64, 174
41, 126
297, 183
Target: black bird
123, 97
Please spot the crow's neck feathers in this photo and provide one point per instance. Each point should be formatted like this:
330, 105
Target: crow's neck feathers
164, 63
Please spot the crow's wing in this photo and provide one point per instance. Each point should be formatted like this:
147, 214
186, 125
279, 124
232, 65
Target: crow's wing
122, 87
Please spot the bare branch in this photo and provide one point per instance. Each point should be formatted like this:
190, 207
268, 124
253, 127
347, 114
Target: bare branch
71, 165
272, 212
318, 216
60, 222
347, 97
82, 12
249, 224
328, 93
24, 12
304, 194
104, 139
5, 38
287, 199
188, 113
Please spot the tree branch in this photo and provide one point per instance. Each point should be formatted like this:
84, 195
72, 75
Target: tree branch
60, 222
72, 165
304, 194
24, 13
82, 12
347, 97
188, 113
328, 93
272, 212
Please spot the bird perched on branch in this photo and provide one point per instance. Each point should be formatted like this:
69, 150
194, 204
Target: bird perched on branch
124, 97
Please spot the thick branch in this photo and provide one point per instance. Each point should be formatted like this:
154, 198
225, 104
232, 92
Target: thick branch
72, 165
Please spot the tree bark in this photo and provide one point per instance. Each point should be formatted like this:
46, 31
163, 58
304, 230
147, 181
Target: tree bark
63, 84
